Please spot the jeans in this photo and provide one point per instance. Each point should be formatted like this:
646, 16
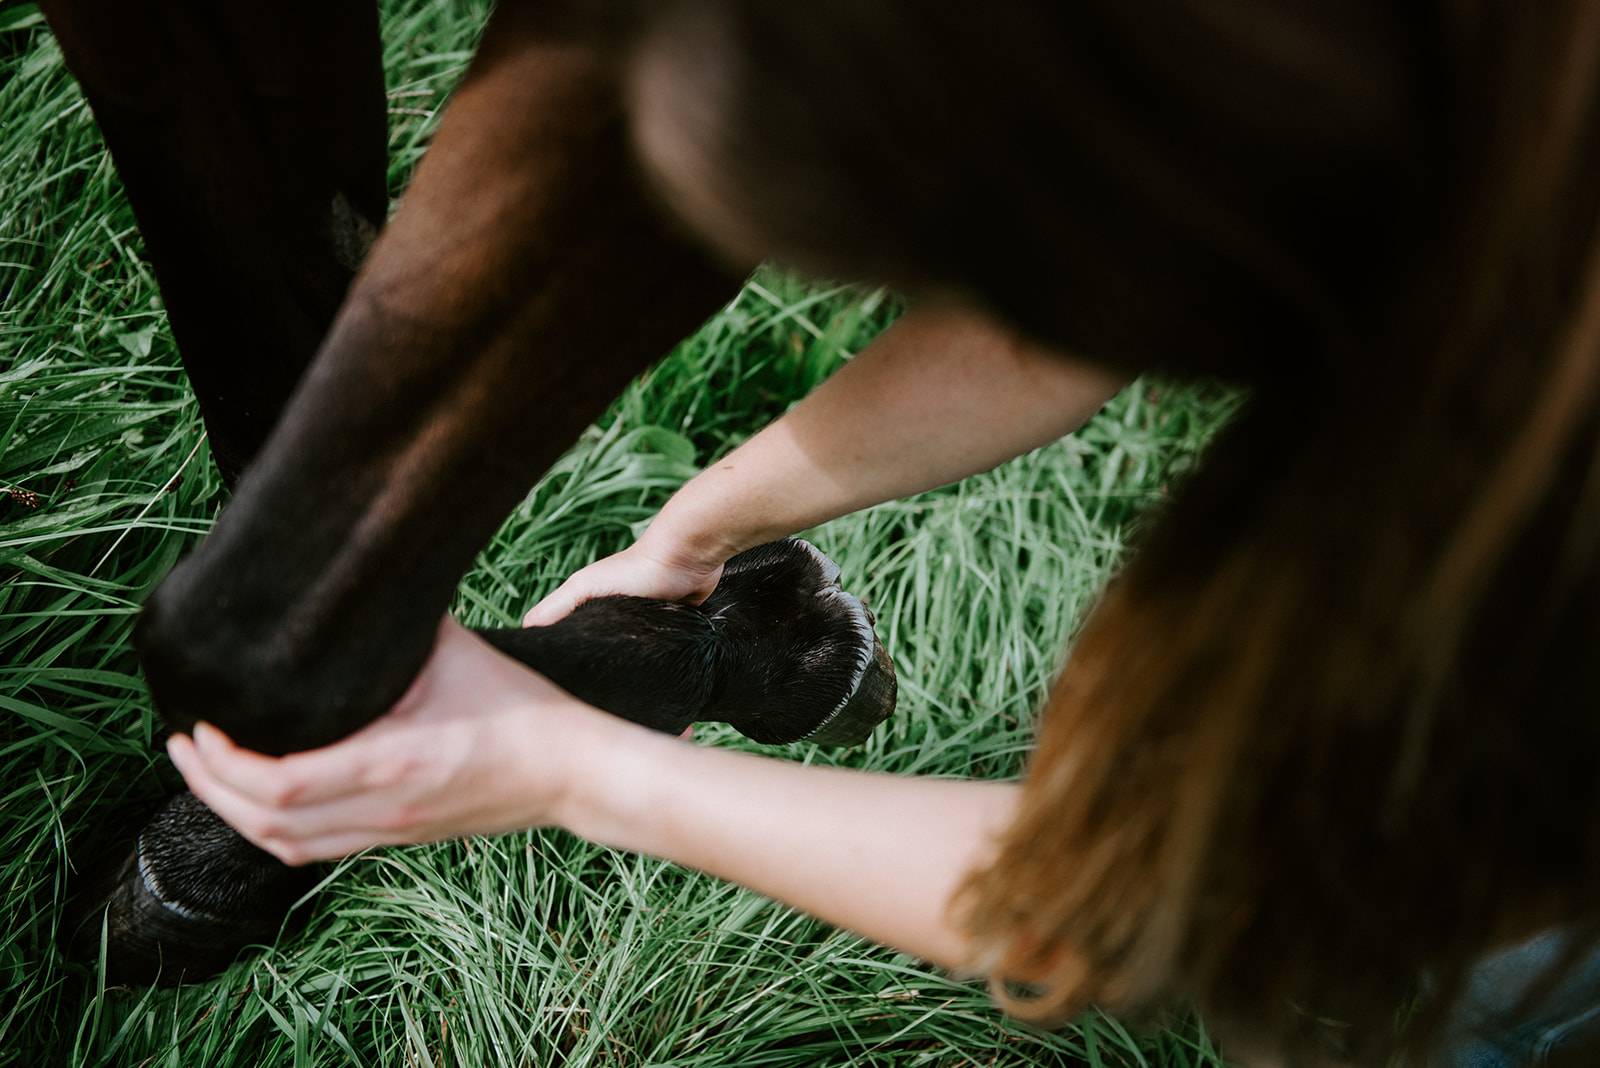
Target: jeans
1485, 1029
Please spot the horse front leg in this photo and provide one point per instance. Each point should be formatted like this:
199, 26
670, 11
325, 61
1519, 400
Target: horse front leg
250, 140
524, 280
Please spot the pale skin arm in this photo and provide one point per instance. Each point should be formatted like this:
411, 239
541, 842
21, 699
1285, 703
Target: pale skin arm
481, 745
944, 393
880, 855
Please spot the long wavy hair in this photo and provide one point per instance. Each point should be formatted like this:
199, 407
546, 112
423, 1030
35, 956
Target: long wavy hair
1336, 726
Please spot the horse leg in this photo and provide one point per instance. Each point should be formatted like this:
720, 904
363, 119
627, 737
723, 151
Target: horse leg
778, 650
251, 141
524, 280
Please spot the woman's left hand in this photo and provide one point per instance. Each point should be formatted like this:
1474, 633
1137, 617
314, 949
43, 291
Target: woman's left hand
478, 745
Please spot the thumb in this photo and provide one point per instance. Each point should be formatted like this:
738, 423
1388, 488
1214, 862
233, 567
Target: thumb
593, 581
555, 606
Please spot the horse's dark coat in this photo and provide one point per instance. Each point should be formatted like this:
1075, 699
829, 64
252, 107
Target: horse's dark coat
379, 423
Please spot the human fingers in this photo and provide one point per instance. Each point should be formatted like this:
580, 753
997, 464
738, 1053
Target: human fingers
358, 821
558, 603
329, 847
251, 819
632, 572
316, 775
619, 573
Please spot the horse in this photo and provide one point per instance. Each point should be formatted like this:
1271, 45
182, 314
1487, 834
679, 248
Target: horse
379, 393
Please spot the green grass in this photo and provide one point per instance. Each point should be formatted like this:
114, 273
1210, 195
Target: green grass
531, 949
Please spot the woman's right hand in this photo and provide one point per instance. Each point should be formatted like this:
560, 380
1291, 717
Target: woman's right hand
644, 569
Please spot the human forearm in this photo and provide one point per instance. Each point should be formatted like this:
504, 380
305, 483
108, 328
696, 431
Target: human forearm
943, 394
880, 855
940, 396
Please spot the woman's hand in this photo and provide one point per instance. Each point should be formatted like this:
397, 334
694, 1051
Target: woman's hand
478, 745
647, 568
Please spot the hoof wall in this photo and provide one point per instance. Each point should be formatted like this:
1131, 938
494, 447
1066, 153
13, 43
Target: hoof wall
801, 660
186, 901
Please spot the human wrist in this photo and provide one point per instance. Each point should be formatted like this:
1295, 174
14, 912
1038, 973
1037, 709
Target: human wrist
687, 535
612, 793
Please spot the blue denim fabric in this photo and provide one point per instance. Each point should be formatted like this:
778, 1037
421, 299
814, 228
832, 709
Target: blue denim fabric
1482, 1030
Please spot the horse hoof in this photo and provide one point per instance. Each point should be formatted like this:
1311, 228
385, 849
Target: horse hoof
799, 659
186, 900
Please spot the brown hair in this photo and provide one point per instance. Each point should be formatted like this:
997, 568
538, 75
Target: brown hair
1338, 724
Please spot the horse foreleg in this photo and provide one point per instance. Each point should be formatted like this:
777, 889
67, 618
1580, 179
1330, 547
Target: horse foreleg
251, 142
778, 650
524, 280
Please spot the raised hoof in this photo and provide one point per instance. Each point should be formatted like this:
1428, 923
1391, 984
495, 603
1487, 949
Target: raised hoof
186, 900
798, 658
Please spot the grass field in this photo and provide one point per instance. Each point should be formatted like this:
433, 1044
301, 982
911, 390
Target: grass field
532, 949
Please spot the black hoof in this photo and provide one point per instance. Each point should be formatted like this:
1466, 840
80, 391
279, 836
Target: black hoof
778, 650
798, 657
189, 897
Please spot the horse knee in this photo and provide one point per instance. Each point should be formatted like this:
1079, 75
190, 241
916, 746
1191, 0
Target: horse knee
265, 691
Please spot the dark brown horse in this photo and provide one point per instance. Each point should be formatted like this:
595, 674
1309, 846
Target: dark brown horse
381, 394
